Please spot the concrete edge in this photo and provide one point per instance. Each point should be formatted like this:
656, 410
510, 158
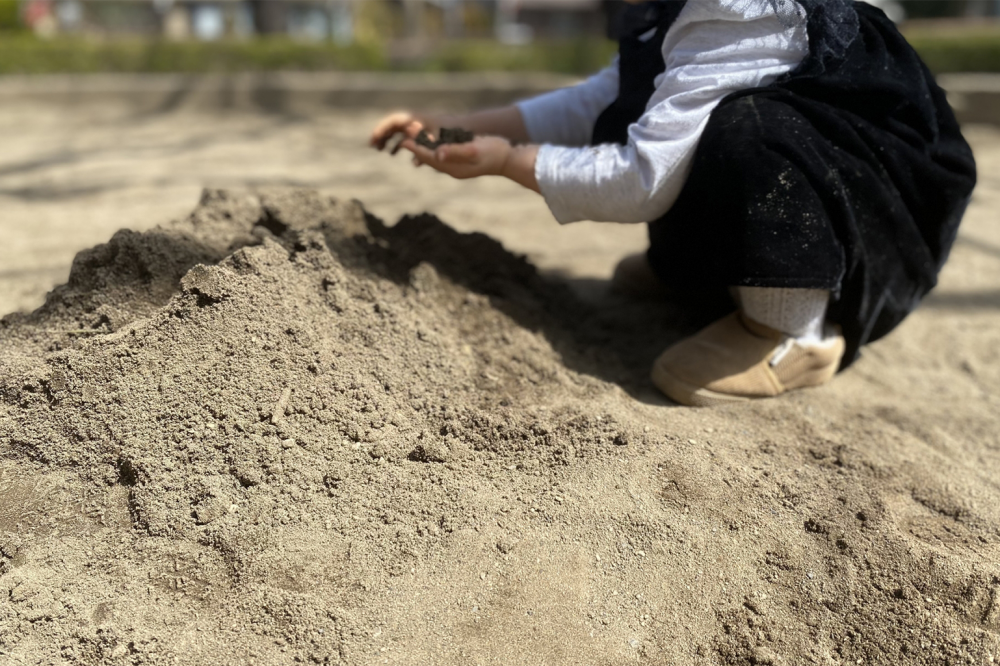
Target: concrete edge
279, 91
975, 96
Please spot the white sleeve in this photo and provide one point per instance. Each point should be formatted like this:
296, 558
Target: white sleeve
566, 116
714, 48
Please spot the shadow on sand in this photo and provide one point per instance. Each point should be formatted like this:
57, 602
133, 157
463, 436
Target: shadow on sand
595, 331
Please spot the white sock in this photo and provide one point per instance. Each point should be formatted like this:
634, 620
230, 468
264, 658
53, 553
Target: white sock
798, 313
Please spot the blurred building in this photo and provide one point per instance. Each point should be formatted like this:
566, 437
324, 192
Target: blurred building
964, 9
892, 9
197, 19
511, 21
519, 21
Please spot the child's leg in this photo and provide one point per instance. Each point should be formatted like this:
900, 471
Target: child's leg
789, 193
800, 190
752, 217
634, 277
797, 313
739, 357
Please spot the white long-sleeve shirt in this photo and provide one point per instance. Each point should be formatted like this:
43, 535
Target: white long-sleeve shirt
714, 48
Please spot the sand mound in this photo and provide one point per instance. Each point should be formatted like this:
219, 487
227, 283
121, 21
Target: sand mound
281, 431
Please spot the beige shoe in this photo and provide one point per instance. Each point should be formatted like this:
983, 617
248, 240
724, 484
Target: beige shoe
634, 277
737, 359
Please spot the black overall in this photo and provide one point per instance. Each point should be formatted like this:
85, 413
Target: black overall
848, 174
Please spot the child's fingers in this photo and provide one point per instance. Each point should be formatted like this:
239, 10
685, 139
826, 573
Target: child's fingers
389, 126
380, 141
457, 152
420, 153
409, 144
414, 128
395, 148
410, 131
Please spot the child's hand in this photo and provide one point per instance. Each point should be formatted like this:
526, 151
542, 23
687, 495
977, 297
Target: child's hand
405, 123
484, 156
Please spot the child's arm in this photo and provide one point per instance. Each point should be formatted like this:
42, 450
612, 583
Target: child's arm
504, 121
565, 117
714, 48
484, 156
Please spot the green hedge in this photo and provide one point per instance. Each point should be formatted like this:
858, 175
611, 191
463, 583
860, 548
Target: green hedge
564, 57
24, 54
9, 19
972, 51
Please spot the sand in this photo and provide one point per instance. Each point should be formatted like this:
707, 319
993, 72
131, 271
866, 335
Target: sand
278, 431
70, 178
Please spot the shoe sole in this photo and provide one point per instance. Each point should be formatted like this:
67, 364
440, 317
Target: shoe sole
690, 395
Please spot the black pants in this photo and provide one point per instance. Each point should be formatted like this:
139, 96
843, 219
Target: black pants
787, 190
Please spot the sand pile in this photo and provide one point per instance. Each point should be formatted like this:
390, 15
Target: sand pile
279, 431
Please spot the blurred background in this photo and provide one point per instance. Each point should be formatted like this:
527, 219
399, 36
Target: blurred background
116, 113
567, 36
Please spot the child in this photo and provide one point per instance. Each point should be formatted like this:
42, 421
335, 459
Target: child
795, 152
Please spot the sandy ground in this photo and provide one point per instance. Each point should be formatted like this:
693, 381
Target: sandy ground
450, 478
69, 180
